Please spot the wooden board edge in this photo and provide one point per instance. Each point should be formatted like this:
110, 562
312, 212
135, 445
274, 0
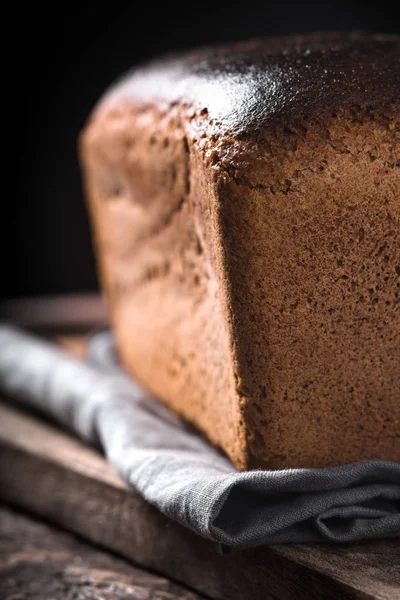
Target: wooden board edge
119, 519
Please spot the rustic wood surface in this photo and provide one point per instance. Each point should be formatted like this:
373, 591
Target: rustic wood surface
54, 476
39, 562
78, 312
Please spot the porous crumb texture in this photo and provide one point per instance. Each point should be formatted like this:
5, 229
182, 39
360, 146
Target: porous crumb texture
315, 291
253, 276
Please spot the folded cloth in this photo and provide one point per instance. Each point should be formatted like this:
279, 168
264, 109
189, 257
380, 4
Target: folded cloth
177, 471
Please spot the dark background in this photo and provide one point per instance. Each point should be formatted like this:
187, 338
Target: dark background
64, 58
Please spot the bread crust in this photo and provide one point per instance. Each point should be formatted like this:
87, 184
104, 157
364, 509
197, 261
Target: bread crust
251, 257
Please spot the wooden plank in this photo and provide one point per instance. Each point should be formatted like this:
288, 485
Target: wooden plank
40, 562
49, 473
77, 312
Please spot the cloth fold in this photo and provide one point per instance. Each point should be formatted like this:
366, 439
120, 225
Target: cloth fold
179, 472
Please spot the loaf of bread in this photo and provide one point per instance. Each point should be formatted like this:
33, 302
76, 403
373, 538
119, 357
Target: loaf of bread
245, 203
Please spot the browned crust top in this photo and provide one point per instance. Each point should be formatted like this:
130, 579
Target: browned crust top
254, 85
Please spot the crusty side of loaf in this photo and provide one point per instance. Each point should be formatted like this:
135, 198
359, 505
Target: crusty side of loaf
253, 282
310, 218
153, 208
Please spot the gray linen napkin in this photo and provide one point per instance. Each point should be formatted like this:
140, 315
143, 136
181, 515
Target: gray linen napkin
179, 472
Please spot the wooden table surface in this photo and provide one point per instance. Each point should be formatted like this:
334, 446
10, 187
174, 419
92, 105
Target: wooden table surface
52, 475
39, 561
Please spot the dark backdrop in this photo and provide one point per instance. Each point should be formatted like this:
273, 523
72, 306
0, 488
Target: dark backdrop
64, 58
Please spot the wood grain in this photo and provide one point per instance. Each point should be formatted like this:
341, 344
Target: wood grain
76, 312
52, 475
39, 562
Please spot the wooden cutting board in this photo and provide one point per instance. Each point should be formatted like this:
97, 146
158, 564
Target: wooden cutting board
50, 473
